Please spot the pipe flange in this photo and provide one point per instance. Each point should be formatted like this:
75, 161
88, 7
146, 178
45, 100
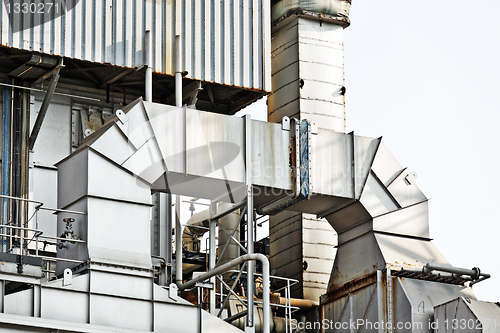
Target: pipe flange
477, 273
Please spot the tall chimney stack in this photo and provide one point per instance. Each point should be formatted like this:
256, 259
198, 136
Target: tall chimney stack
307, 83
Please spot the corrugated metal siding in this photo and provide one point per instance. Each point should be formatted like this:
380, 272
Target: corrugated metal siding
225, 41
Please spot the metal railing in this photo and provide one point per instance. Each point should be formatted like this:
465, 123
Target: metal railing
14, 227
227, 293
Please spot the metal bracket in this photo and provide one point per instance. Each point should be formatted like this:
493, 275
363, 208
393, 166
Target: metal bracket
122, 117
19, 260
173, 292
67, 277
285, 123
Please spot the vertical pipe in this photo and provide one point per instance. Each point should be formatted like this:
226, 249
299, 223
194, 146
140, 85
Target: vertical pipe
212, 257
178, 230
390, 316
148, 55
250, 250
20, 209
178, 241
380, 301
168, 239
5, 164
266, 297
178, 71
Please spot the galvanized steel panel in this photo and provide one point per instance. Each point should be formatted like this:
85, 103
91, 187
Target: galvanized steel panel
225, 42
375, 197
270, 157
332, 171
424, 296
405, 193
364, 154
54, 305
385, 166
412, 221
487, 312
401, 251
125, 312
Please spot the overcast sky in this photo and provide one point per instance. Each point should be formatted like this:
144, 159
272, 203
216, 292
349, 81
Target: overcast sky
425, 76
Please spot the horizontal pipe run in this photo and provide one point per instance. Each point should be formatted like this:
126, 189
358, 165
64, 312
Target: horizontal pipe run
227, 266
236, 316
303, 304
474, 273
61, 259
21, 199
59, 94
55, 210
39, 207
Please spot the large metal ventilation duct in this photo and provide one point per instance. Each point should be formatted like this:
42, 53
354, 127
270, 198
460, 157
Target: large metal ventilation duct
355, 183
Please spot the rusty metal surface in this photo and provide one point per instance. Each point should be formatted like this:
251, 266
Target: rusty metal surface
336, 10
348, 288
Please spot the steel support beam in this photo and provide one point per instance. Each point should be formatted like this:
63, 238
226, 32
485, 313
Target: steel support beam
45, 106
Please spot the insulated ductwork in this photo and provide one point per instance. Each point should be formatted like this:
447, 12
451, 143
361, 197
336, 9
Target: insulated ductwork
198, 225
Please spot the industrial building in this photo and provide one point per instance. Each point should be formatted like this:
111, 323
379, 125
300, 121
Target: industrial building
115, 112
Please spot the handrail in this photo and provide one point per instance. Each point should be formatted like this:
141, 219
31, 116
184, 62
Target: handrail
227, 266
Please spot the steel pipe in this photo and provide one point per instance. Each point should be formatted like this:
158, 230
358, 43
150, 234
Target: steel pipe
380, 301
226, 267
5, 165
474, 273
148, 61
178, 241
178, 71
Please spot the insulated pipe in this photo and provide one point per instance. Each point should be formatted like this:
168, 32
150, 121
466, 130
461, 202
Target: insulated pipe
148, 61
265, 282
178, 71
303, 304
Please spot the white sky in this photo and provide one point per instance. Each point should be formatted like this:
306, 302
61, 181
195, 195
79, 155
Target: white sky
425, 76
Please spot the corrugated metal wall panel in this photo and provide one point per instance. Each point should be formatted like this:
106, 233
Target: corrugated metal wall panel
226, 41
